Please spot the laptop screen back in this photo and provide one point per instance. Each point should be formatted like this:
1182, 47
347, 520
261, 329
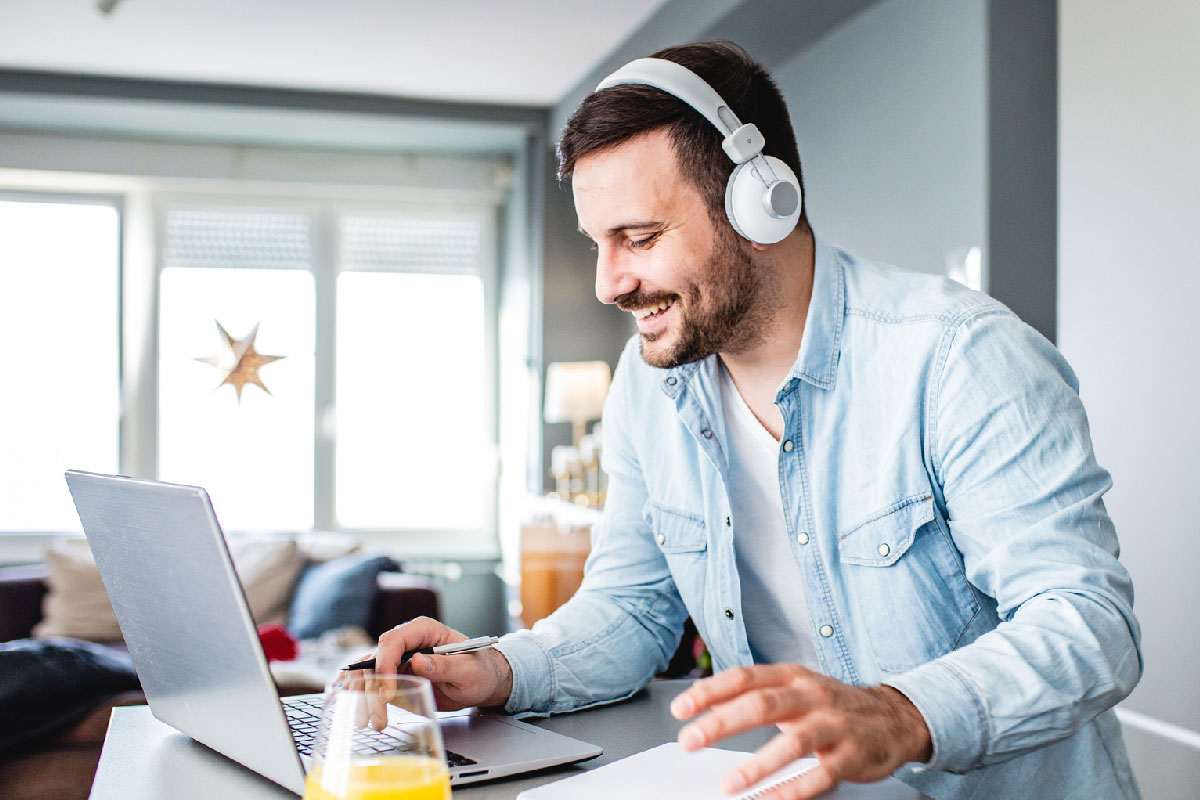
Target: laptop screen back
168, 573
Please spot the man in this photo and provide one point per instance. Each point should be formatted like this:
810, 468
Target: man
873, 491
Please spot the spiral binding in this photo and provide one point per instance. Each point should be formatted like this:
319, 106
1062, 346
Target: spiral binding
759, 792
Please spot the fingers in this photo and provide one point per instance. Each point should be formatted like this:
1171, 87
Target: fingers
755, 708
417, 633
704, 694
794, 743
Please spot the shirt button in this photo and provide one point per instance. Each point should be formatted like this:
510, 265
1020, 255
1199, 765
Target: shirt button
802, 537
826, 631
706, 433
671, 381
729, 613
661, 539
728, 522
884, 550
787, 445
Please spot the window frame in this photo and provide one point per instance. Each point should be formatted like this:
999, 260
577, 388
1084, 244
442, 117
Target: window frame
125, 139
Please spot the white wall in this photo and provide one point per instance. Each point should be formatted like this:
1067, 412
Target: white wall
1129, 281
889, 111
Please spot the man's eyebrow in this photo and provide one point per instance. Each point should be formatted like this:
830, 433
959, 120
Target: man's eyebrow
613, 231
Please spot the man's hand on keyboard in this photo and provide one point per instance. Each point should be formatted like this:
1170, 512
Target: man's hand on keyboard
480, 678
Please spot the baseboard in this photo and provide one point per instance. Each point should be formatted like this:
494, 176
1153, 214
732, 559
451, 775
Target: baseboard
1165, 756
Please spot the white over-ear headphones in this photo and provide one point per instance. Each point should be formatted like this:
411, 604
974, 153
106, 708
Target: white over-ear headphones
762, 198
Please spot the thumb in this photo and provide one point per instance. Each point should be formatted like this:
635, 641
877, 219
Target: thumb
462, 670
442, 669
424, 665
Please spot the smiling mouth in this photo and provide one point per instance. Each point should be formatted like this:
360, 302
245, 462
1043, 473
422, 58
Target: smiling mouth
651, 312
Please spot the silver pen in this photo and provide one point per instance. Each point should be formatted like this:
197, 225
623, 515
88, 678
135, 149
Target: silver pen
465, 646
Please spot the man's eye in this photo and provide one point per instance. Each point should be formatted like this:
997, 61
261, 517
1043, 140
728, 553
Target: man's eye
643, 242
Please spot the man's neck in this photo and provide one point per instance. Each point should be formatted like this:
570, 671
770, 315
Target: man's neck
758, 370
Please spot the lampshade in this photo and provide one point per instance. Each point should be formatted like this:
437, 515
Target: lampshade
575, 390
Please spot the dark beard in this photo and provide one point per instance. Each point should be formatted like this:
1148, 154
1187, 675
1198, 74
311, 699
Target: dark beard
723, 311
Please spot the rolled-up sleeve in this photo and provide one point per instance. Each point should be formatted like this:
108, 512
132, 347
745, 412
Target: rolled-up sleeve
1012, 454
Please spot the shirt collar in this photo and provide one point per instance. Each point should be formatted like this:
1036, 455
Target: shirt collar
821, 345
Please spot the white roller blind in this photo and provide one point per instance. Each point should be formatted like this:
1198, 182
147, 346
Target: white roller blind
236, 238
441, 245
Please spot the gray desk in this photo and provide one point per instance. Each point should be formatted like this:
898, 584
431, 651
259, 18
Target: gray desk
143, 759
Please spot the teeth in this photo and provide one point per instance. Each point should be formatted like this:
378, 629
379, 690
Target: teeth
642, 313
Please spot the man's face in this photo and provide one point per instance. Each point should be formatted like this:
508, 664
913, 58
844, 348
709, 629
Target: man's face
691, 286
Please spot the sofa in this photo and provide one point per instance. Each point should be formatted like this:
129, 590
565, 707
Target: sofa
61, 764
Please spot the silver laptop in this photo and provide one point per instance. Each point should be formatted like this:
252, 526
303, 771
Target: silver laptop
167, 570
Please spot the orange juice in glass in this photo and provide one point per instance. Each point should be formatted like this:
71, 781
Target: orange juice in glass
378, 739
383, 778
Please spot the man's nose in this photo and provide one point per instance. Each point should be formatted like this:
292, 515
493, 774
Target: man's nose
613, 276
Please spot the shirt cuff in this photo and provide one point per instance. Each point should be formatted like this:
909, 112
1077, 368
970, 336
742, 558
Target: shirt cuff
532, 673
954, 713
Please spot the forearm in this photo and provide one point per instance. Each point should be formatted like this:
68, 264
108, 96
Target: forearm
597, 648
1064, 657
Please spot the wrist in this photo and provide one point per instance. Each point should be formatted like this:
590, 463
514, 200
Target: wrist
909, 725
502, 672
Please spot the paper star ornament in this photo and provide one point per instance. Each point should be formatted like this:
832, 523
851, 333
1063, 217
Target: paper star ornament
246, 361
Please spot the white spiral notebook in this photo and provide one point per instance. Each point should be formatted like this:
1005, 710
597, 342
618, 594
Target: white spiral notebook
669, 771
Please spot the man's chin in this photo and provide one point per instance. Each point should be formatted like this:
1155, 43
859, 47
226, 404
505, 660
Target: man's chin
659, 351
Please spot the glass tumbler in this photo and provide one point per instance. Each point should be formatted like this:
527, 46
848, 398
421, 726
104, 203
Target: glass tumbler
378, 738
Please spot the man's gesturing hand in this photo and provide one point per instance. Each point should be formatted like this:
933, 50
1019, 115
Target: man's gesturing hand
858, 734
480, 678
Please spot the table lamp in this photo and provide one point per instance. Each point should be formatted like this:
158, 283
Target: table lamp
575, 392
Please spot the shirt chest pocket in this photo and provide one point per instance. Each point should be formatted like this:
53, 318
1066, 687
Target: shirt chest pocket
675, 530
683, 540
907, 581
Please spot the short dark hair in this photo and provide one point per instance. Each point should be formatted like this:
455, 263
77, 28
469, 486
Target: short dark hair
612, 116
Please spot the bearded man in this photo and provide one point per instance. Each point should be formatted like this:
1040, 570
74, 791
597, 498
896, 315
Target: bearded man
872, 490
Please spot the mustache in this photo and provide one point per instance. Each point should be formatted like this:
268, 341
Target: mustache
637, 299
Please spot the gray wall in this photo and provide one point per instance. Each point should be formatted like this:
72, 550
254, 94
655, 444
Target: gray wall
1129, 277
889, 112
1022, 142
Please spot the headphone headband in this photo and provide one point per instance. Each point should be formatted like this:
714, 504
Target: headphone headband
765, 214
680, 81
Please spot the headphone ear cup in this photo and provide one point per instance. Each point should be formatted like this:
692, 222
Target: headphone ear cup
746, 203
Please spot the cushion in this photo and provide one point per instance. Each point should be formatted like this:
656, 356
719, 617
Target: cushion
77, 606
336, 594
326, 545
268, 568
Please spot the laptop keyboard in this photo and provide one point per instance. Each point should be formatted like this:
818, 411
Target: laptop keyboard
303, 714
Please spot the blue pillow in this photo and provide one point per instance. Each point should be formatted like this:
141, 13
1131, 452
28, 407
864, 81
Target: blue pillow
335, 594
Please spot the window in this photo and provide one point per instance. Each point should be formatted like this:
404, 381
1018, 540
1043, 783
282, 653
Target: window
379, 410
369, 265
59, 321
244, 272
412, 385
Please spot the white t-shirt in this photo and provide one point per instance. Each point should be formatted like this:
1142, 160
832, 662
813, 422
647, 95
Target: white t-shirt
774, 607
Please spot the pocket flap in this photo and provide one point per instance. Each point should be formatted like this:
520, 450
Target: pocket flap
676, 531
883, 537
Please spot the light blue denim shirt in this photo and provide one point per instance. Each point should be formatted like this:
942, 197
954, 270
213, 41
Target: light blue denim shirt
943, 504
